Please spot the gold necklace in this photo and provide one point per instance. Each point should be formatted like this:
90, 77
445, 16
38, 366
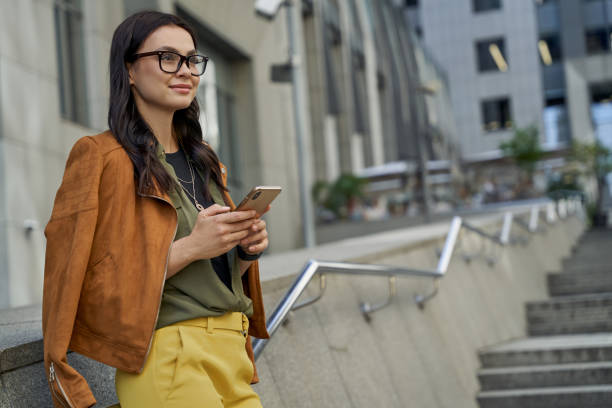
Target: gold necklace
192, 182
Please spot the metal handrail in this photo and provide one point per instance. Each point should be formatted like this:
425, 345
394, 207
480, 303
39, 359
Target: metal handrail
313, 267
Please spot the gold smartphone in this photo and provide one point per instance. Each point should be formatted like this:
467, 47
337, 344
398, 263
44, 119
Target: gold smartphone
259, 198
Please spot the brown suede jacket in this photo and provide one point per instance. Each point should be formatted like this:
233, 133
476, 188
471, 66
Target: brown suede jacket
105, 267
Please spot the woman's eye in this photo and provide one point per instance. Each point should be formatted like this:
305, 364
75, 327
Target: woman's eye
168, 57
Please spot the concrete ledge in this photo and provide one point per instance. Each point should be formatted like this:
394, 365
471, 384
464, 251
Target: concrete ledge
22, 372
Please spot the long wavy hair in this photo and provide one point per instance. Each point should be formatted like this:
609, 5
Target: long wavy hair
131, 130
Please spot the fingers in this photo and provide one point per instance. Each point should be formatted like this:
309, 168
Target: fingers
257, 233
258, 247
236, 216
239, 226
233, 238
214, 210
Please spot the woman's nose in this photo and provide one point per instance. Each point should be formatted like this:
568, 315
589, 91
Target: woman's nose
184, 70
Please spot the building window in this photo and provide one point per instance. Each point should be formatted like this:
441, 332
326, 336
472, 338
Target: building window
68, 16
556, 124
491, 55
496, 114
597, 41
549, 47
485, 5
412, 3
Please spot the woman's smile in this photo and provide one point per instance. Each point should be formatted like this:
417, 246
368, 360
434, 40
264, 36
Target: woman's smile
182, 88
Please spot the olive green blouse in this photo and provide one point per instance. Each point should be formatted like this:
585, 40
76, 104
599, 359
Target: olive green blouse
197, 290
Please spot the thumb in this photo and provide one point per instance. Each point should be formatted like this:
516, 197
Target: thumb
214, 210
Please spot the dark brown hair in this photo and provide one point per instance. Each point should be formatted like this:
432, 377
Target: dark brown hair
128, 126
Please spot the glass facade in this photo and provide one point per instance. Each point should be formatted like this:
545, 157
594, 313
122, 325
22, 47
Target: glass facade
555, 115
597, 20
68, 15
332, 39
549, 47
601, 112
556, 124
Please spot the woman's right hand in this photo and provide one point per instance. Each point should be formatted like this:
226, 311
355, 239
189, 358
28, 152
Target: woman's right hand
217, 230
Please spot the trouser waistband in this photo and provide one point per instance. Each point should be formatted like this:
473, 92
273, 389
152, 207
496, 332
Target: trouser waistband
230, 320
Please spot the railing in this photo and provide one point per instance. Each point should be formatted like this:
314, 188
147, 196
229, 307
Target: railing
321, 268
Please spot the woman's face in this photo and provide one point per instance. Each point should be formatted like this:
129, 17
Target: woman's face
158, 89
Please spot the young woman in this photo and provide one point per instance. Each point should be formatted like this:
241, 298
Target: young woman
147, 269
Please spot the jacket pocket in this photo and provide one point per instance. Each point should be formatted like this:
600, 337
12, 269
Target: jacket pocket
56, 388
101, 283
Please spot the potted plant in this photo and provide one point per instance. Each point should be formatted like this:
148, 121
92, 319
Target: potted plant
524, 150
594, 160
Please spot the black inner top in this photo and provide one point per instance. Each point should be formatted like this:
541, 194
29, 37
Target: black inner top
178, 160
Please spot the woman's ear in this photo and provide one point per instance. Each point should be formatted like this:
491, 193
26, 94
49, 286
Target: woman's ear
128, 65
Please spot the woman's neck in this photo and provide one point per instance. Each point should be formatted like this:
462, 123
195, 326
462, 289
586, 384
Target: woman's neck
160, 122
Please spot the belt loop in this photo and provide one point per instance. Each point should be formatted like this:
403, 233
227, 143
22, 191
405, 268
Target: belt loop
245, 325
209, 325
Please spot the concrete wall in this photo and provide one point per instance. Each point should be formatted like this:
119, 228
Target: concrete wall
328, 356
34, 139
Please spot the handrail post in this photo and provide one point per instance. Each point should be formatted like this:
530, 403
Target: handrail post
551, 216
445, 257
279, 314
504, 237
562, 208
449, 245
533, 218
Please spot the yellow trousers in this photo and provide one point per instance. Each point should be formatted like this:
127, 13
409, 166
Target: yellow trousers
194, 363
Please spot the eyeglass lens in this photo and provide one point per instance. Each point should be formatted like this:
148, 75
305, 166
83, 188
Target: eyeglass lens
170, 63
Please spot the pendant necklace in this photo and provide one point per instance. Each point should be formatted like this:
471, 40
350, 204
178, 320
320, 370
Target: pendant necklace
199, 206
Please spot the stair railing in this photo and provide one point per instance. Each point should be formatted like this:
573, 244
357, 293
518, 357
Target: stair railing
281, 313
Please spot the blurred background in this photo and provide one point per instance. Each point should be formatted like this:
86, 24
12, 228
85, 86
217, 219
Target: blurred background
382, 120
371, 114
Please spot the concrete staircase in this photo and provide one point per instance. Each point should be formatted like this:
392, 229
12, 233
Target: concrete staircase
567, 359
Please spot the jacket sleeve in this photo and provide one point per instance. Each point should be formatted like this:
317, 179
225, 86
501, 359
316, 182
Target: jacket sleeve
69, 234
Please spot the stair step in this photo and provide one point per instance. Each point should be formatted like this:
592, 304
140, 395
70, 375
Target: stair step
570, 315
552, 375
563, 284
582, 268
536, 351
595, 262
591, 396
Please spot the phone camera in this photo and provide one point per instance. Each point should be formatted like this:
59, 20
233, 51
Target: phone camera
256, 195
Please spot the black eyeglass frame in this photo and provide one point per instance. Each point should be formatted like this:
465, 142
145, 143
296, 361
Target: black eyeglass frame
183, 58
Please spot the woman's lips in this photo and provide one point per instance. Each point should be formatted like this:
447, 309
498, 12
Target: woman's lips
181, 89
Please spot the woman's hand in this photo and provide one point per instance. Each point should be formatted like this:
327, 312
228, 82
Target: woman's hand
216, 231
257, 239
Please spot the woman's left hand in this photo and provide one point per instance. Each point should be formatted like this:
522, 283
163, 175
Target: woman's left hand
257, 240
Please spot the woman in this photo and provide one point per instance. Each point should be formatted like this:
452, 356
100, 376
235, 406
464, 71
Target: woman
147, 269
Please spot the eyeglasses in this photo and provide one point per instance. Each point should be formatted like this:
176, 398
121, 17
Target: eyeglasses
171, 62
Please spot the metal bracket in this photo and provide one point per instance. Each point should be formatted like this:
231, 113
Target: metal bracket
366, 308
322, 286
422, 299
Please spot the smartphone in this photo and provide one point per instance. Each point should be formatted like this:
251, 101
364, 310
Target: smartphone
259, 198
